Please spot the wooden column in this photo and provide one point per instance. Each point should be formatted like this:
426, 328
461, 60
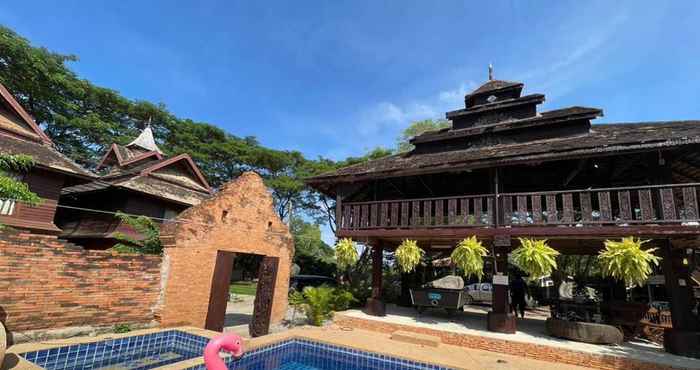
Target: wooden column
684, 338
375, 304
338, 212
499, 318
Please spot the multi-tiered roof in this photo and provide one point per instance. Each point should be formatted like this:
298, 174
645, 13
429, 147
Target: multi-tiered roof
499, 126
141, 166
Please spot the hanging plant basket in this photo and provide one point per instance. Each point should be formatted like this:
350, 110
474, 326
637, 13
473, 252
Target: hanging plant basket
345, 253
535, 257
626, 260
408, 255
469, 256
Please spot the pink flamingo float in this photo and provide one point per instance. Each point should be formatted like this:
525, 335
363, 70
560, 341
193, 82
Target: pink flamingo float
228, 342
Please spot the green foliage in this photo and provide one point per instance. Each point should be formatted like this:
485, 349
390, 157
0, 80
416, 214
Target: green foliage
319, 303
311, 253
10, 187
345, 253
408, 255
417, 128
469, 256
243, 288
535, 257
626, 260
122, 328
147, 228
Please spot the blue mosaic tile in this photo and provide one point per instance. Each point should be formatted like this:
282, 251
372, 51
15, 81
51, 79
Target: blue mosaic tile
300, 354
140, 352
159, 349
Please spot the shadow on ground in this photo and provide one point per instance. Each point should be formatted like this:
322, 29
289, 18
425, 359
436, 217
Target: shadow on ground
235, 319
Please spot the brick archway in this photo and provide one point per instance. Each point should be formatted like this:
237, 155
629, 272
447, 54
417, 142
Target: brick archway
240, 218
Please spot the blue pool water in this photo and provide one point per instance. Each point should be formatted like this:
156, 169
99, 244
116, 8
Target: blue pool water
134, 353
159, 349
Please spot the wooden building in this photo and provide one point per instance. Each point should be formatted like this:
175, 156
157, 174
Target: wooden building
19, 134
503, 170
137, 179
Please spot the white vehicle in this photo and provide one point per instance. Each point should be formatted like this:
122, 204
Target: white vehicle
483, 293
479, 292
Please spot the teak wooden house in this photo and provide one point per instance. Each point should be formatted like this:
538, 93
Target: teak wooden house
503, 170
19, 134
137, 179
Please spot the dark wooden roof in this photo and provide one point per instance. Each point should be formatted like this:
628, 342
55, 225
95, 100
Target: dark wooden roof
151, 174
553, 116
19, 134
494, 85
603, 139
44, 155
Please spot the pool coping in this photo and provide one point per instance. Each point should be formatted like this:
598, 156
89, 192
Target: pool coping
445, 355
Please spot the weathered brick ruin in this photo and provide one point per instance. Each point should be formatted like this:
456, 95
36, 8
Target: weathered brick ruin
48, 284
240, 219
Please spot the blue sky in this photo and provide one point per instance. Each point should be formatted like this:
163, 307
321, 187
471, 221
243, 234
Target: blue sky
336, 78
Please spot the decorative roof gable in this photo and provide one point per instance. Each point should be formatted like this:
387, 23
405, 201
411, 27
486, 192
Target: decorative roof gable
17, 121
171, 170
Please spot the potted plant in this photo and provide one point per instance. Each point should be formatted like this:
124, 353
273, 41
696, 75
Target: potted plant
408, 255
345, 253
469, 256
627, 261
535, 257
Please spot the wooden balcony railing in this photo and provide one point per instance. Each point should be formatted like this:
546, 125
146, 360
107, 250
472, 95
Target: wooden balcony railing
653, 205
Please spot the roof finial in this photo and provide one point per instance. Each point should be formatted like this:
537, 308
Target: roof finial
490, 72
148, 123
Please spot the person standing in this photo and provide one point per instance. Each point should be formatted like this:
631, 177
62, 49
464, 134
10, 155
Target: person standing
518, 289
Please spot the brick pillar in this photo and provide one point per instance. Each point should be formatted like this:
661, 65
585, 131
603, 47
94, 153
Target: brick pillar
499, 318
375, 304
684, 338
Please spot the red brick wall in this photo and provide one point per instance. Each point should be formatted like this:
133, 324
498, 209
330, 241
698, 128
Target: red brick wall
46, 283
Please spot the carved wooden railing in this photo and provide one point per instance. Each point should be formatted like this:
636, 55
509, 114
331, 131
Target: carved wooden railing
472, 210
655, 204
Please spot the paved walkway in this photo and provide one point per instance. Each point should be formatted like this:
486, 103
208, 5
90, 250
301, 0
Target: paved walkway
239, 313
530, 330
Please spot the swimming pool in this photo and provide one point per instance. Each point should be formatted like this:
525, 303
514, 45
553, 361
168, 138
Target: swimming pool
139, 352
301, 354
150, 351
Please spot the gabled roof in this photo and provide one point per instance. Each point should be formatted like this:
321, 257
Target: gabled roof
19, 134
123, 156
26, 119
177, 179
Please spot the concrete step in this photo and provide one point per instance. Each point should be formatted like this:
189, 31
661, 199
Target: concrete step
416, 338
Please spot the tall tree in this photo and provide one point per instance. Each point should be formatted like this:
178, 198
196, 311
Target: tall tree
417, 128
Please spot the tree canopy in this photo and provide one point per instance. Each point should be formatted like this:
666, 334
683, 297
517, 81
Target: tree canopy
417, 128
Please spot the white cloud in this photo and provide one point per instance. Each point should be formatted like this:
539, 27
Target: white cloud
381, 123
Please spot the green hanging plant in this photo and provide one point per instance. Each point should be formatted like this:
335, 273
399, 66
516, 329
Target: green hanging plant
469, 256
535, 257
345, 253
408, 255
626, 260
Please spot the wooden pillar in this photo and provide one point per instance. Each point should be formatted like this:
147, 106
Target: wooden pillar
375, 304
338, 212
499, 318
684, 338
